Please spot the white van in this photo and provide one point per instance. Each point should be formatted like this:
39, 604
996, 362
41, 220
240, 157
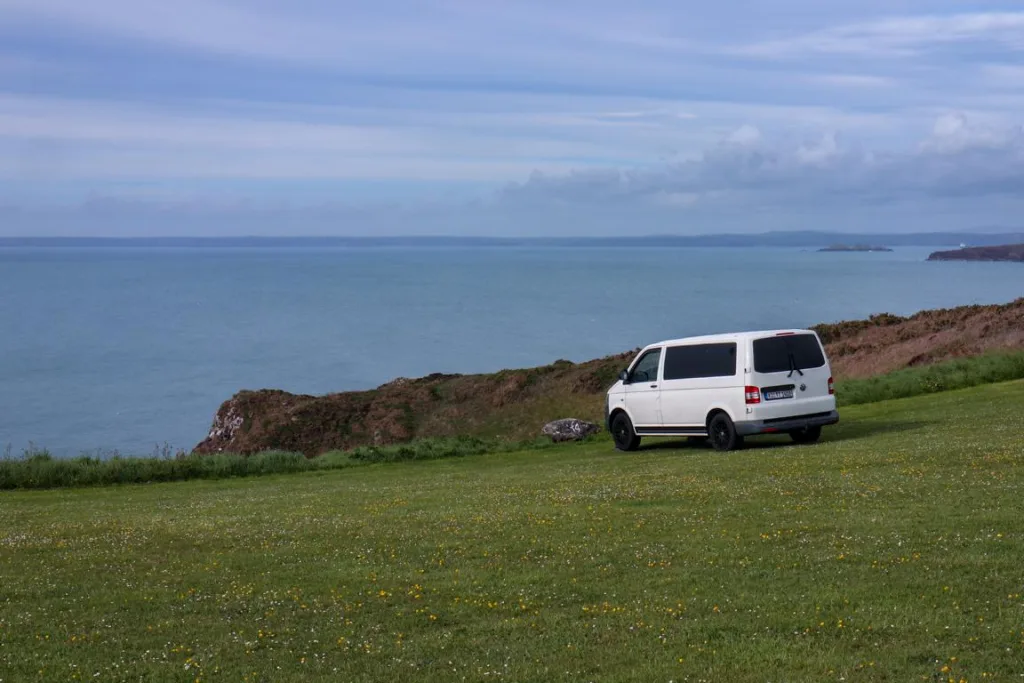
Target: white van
723, 388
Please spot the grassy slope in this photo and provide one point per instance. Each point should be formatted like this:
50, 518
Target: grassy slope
892, 551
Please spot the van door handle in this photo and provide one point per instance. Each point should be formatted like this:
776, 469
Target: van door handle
654, 386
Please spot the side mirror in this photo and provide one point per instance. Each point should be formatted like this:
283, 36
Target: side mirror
624, 375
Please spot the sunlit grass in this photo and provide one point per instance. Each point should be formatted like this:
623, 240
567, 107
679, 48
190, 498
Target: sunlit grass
892, 551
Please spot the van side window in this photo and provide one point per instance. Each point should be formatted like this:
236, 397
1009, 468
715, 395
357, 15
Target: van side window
646, 369
782, 354
700, 361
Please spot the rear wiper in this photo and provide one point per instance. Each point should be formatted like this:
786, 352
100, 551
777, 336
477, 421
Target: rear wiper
792, 367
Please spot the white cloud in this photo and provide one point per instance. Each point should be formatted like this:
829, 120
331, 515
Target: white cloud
217, 26
954, 133
88, 121
504, 139
819, 153
679, 199
390, 37
20, 65
899, 36
619, 107
60, 138
745, 135
852, 80
1008, 76
48, 139
957, 158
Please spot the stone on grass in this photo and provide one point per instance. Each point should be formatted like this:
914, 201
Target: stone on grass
569, 429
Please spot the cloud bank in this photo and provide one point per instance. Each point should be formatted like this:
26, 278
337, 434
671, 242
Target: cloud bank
524, 117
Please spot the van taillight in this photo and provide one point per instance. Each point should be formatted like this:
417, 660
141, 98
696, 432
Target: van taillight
831, 386
752, 395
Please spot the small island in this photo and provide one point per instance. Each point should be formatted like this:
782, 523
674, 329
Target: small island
1005, 252
854, 247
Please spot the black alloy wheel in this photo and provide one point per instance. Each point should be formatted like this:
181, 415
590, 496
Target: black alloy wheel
623, 434
806, 434
722, 433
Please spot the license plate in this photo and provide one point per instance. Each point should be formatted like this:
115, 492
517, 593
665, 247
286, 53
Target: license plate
777, 394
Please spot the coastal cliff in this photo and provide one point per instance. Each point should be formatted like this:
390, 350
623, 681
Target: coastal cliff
1006, 252
514, 404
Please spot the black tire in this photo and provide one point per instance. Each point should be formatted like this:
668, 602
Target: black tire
622, 431
806, 435
722, 433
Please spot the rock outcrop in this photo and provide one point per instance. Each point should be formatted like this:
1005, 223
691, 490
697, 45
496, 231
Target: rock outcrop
569, 429
508, 404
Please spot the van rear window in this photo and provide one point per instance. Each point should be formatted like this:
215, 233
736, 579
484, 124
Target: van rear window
782, 354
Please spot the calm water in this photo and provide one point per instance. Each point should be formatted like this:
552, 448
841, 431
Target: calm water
104, 349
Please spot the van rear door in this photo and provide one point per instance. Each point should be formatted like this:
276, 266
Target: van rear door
793, 375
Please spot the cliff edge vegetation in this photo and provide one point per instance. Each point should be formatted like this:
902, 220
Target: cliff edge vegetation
513, 405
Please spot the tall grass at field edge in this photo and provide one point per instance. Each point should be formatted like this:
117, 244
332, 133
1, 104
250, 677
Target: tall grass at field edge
38, 469
961, 373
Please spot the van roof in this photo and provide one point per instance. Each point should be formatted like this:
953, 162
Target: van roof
729, 336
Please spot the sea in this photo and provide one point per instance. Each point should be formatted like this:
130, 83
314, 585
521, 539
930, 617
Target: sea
130, 351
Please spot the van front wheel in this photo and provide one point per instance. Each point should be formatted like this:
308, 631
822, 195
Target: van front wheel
622, 431
722, 433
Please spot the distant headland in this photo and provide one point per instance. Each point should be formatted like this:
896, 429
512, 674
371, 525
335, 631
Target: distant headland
1005, 252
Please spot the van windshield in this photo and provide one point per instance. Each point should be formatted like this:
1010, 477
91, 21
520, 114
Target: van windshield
787, 353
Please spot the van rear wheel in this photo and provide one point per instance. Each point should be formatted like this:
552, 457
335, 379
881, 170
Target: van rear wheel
806, 434
722, 433
623, 434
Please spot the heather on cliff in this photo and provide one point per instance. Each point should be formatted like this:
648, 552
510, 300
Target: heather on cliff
514, 404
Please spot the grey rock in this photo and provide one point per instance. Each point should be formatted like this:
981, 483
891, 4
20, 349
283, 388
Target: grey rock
569, 429
226, 425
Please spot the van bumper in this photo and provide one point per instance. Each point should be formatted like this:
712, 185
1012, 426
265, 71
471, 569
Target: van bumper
787, 424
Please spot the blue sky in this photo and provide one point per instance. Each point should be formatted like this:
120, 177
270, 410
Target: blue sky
197, 117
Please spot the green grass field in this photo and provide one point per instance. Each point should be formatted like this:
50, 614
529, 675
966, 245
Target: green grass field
892, 551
